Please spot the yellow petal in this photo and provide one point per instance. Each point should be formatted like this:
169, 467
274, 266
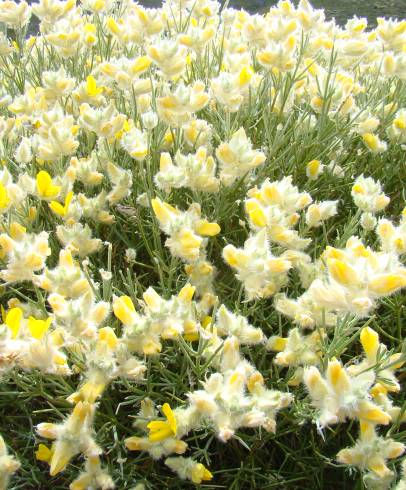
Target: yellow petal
225, 154
187, 292
342, 272
200, 473
312, 168
59, 462
207, 475
371, 141
141, 64
189, 241
378, 466
277, 344
256, 379
337, 376
159, 430
17, 231
123, 308
245, 76
346, 456
43, 182
151, 298
133, 443
230, 256
57, 208
38, 328
107, 335
358, 189
387, 284
112, 25
205, 228
13, 321
162, 211
369, 341
278, 266
258, 218
396, 450
367, 430
43, 453
4, 198
165, 162
91, 87
372, 413
68, 200
168, 412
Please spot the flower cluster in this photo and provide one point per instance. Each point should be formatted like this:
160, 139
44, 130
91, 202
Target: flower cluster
201, 223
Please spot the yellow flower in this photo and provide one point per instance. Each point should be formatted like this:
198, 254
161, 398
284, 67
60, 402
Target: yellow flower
163, 211
38, 328
45, 187
99, 5
90, 34
373, 143
58, 208
245, 76
200, 473
140, 65
387, 284
17, 231
4, 199
277, 344
108, 337
44, 453
187, 292
371, 451
112, 26
159, 429
204, 228
342, 272
256, 213
91, 87
313, 169
124, 308
13, 321
89, 392
370, 342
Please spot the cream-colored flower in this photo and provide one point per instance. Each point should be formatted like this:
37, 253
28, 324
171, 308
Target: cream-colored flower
338, 395
196, 171
368, 195
188, 469
237, 157
73, 436
274, 206
371, 452
15, 15
317, 213
176, 107
262, 273
187, 231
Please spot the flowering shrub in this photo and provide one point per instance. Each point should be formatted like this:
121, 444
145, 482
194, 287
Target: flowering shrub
202, 247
